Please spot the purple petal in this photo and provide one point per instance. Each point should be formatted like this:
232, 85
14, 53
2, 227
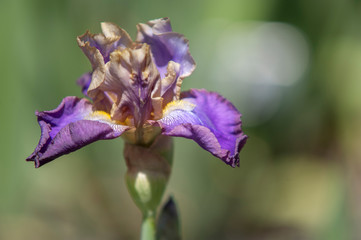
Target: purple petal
166, 46
69, 127
160, 25
210, 120
84, 82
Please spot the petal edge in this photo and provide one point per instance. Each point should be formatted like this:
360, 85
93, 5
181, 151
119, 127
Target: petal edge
213, 122
68, 128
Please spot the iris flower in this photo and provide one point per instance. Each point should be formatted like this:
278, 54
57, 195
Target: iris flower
133, 91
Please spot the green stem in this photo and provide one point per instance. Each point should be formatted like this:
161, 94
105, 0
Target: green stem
148, 227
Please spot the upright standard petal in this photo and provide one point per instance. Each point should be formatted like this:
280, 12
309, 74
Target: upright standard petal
131, 75
210, 120
113, 37
69, 127
166, 46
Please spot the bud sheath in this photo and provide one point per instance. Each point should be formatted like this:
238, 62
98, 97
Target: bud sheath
148, 172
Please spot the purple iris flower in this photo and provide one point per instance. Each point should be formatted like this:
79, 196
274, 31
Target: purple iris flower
134, 92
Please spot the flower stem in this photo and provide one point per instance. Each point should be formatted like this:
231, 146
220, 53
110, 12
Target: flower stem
148, 227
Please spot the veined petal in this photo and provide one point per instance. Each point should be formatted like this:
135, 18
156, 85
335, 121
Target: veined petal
166, 46
210, 120
69, 127
131, 75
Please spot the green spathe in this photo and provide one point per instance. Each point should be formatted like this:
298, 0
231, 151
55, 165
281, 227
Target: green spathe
148, 172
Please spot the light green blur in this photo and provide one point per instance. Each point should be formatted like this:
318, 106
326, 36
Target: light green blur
291, 67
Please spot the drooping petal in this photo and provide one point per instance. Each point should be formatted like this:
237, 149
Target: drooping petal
69, 127
166, 46
210, 120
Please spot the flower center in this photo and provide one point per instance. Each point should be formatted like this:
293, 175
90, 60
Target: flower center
131, 76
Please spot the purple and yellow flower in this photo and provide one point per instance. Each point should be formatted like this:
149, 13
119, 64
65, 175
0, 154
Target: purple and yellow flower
134, 92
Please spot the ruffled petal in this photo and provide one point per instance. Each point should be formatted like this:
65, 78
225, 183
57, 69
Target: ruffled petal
112, 31
210, 120
69, 127
131, 75
103, 101
113, 37
166, 46
97, 47
166, 90
171, 83
160, 25
97, 61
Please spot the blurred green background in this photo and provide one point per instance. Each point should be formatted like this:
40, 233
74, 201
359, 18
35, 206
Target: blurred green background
291, 67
